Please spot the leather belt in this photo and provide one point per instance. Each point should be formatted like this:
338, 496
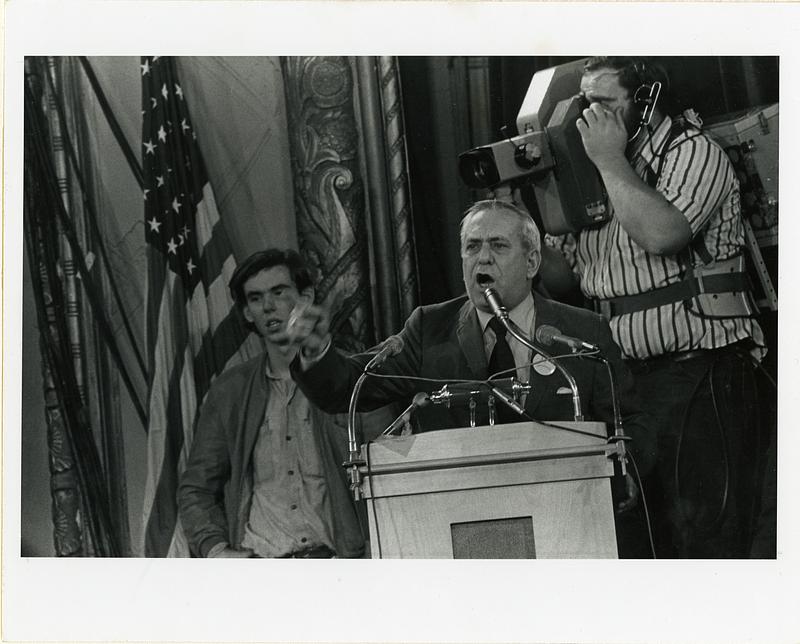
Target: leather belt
678, 292
742, 346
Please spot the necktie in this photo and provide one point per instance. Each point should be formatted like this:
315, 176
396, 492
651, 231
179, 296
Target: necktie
500, 360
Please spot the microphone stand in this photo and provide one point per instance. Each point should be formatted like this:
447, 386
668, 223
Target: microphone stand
354, 459
514, 330
501, 313
619, 437
392, 345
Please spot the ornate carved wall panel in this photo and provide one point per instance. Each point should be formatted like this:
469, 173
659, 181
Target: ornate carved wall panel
353, 207
329, 190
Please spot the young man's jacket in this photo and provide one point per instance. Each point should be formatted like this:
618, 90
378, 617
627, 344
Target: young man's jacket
445, 341
216, 488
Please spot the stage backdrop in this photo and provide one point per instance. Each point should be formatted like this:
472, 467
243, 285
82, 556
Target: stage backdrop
268, 186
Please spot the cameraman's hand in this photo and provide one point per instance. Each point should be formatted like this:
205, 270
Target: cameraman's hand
604, 135
504, 192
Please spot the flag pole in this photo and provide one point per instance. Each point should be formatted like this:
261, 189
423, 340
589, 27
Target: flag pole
88, 203
105, 327
112, 121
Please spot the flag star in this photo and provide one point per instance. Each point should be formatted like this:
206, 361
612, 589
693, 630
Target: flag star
145, 67
159, 181
176, 205
190, 266
172, 247
155, 224
155, 58
184, 125
178, 91
151, 147
144, 193
153, 101
162, 134
185, 231
181, 240
164, 91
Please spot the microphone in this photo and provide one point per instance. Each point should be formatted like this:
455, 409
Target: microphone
501, 313
420, 400
391, 347
547, 334
508, 400
496, 304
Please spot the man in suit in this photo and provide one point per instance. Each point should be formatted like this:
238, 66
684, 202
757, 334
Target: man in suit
458, 340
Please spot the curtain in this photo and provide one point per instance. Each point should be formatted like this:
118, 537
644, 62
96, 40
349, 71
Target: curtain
82, 519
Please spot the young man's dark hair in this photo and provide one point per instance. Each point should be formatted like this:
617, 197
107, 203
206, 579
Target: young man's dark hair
264, 259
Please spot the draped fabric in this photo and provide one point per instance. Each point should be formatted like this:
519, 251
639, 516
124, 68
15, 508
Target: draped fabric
193, 328
351, 192
348, 138
53, 234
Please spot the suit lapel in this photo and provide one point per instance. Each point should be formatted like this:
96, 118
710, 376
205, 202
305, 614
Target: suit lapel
470, 339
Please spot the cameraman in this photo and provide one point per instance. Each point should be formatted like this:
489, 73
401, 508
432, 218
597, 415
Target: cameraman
675, 219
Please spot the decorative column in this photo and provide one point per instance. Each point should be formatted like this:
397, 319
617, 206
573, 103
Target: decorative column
329, 191
353, 208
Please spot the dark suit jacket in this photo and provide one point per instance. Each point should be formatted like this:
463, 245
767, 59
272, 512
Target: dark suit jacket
444, 342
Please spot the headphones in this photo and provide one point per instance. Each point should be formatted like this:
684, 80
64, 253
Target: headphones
645, 97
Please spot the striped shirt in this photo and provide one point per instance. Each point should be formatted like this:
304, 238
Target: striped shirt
698, 179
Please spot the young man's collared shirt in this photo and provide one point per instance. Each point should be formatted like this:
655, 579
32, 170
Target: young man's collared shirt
289, 508
698, 179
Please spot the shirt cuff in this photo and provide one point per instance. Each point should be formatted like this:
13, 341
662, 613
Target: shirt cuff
216, 549
307, 363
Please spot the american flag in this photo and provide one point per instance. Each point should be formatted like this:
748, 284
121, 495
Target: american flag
192, 330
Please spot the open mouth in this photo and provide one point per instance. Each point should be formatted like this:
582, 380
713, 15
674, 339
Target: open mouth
484, 281
274, 324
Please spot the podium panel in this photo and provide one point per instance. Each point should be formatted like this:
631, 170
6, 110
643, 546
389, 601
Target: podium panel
524, 490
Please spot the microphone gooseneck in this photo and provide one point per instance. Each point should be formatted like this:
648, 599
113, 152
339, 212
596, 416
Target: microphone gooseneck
420, 400
391, 346
501, 313
547, 334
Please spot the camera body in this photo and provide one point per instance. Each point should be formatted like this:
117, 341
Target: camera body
547, 152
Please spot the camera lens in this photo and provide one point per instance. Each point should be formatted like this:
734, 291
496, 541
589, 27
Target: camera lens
477, 168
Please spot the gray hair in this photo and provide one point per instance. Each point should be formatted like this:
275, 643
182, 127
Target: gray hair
530, 233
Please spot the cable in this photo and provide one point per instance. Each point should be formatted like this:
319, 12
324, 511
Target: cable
372, 500
725, 452
684, 419
490, 383
644, 506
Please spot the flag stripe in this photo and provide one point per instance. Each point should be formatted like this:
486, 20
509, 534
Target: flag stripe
192, 329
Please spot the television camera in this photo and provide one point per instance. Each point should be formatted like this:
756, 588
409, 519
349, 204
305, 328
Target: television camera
547, 152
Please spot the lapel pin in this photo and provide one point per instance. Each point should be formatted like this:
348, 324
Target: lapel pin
544, 367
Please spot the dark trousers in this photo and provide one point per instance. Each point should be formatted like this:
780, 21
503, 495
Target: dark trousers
702, 490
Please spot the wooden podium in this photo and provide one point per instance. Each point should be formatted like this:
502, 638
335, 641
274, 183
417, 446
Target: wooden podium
517, 491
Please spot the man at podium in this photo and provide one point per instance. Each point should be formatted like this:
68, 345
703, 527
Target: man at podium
460, 340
